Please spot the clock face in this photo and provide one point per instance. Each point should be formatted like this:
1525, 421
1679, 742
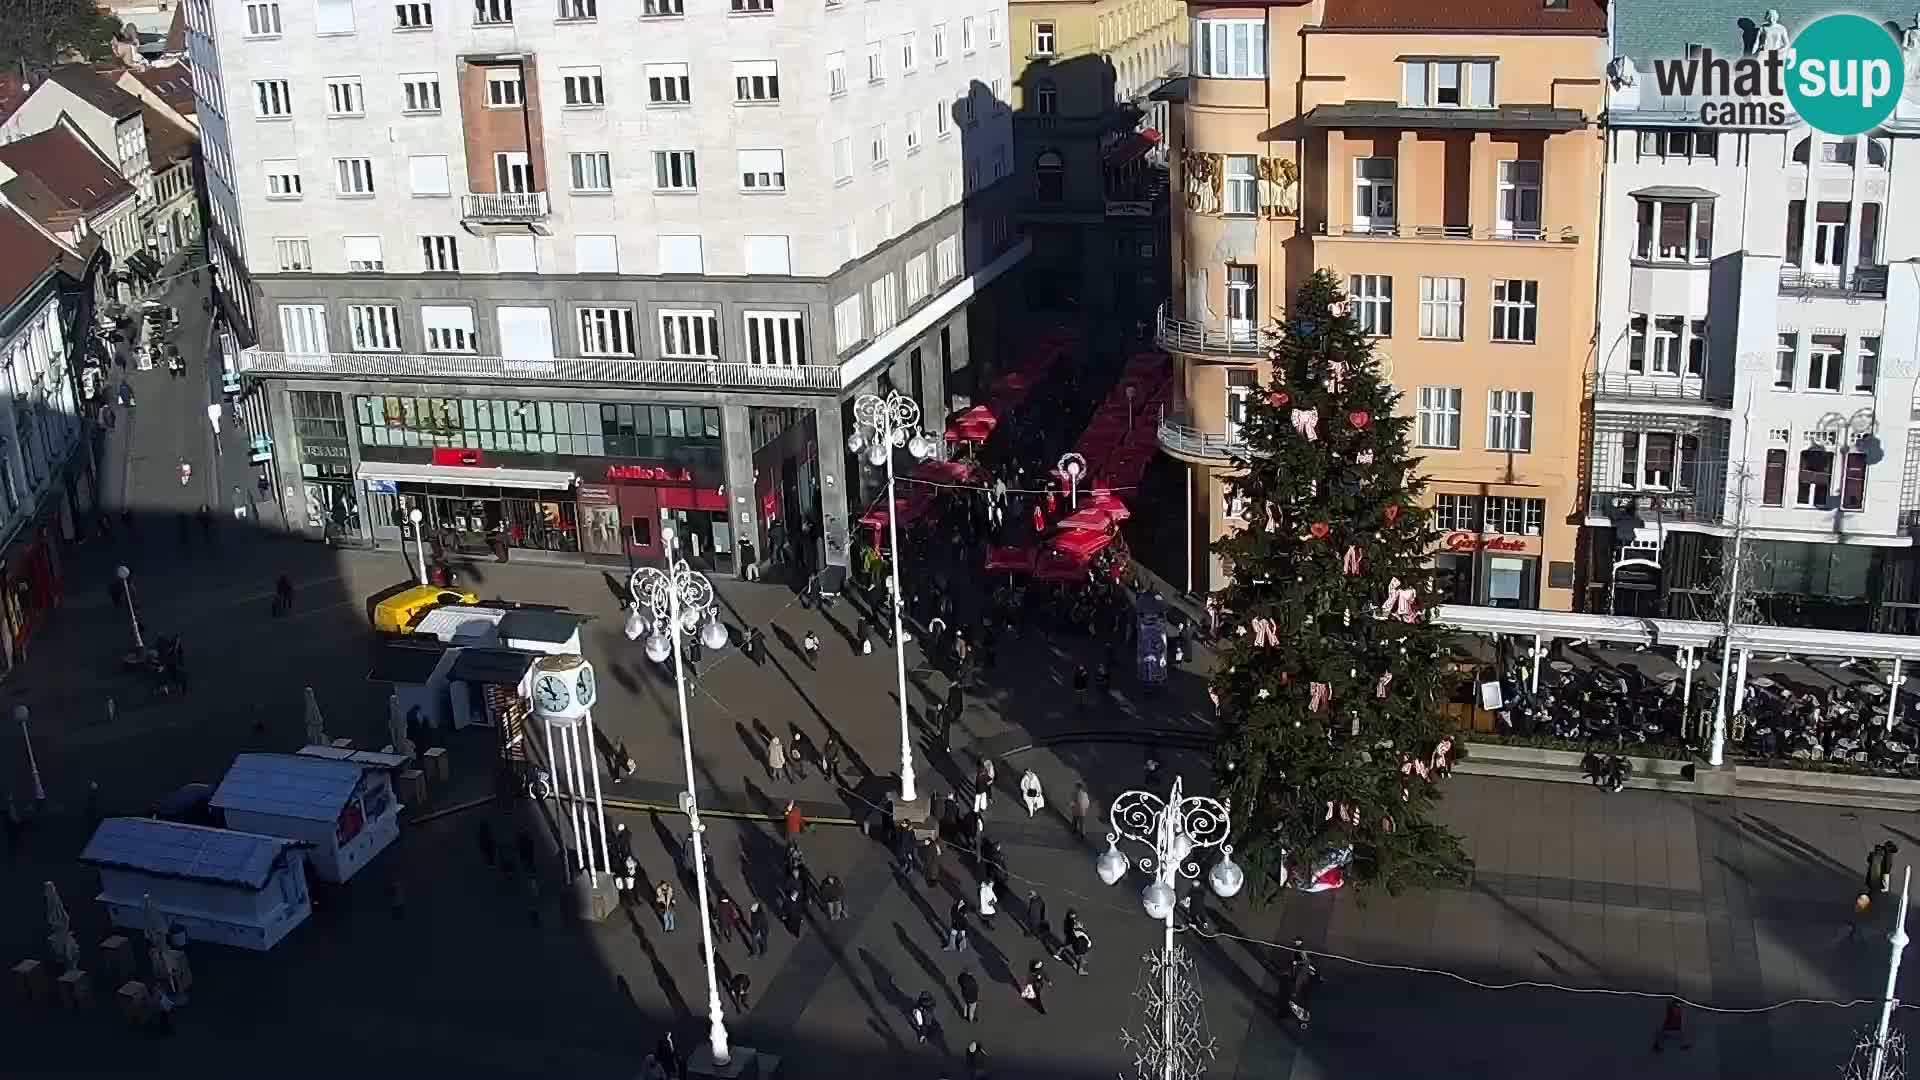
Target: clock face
550, 694
583, 689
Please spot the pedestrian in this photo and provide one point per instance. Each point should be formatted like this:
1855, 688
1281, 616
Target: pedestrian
923, 1015
984, 777
835, 894
1078, 806
830, 757
980, 803
863, 638
622, 844
1033, 988
1081, 683
931, 862
397, 897
729, 919
793, 906
283, 595
976, 1061
796, 822
956, 700
810, 649
668, 1055
738, 988
1078, 942
799, 749
947, 718
969, 996
206, 522
1671, 1030
756, 647
776, 758
1037, 916
757, 931
1031, 793
666, 901
906, 849
989, 903
956, 927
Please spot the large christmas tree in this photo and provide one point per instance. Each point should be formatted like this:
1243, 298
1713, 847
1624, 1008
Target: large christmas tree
1332, 737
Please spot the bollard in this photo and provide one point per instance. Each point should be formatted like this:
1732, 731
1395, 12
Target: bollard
30, 976
132, 996
438, 769
76, 990
412, 785
116, 957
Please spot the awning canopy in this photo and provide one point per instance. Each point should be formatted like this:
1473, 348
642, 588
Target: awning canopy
1387, 114
1081, 544
1088, 518
532, 479
1674, 191
1012, 560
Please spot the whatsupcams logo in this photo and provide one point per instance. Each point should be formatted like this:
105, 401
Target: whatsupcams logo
1842, 75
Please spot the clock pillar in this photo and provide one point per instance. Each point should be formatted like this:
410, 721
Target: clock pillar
564, 692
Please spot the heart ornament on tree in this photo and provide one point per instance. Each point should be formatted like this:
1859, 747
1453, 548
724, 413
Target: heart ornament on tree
1392, 512
1359, 419
1320, 529
1278, 399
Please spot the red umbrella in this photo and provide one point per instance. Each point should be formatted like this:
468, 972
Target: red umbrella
1107, 503
1081, 544
1058, 566
1088, 518
1013, 560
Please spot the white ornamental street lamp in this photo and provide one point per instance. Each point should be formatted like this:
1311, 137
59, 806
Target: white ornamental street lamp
419, 541
126, 589
1173, 827
882, 425
1073, 467
33, 765
679, 599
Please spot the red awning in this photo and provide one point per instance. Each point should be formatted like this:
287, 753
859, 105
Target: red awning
909, 508
1058, 566
945, 472
1081, 544
1130, 149
1087, 518
1012, 560
1108, 503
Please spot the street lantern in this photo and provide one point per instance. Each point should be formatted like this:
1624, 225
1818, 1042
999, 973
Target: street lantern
126, 589
419, 541
20, 716
1073, 466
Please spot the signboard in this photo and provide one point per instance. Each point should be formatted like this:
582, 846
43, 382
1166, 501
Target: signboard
457, 455
383, 487
335, 450
1469, 541
596, 494
1129, 208
1636, 574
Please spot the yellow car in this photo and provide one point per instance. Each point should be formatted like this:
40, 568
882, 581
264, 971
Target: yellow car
399, 612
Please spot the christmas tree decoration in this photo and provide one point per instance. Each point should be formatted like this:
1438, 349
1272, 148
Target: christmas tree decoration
1319, 714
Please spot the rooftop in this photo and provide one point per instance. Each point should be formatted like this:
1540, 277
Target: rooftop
72, 172
188, 852
297, 786
172, 82
498, 667
1645, 31
539, 624
167, 139
30, 253
410, 662
87, 85
1426, 16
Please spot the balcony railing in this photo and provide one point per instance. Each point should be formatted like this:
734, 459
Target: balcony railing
1625, 386
606, 372
1866, 282
1176, 335
1404, 231
1179, 437
505, 206
1657, 507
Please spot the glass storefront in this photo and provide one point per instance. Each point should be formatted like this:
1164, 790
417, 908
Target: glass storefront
560, 428
326, 463
467, 519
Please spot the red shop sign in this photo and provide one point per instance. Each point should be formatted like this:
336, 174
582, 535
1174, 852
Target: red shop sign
453, 455
1467, 541
655, 474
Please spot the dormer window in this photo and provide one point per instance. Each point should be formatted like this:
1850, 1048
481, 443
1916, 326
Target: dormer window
1446, 84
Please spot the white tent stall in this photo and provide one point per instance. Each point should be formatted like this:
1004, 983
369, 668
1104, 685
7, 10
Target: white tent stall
345, 811
220, 885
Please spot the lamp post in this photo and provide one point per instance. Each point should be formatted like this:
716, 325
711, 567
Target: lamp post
678, 598
33, 766
1172, 827
419, 541
1073, 466
126, 589
882, 425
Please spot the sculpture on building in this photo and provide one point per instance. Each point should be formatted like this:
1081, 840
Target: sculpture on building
1622, 74
1770, 35
1201, 173
1279, 187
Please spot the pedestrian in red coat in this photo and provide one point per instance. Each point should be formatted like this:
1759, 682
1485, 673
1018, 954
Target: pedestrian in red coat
1039, 519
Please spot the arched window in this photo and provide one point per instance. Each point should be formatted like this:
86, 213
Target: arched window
1050, 176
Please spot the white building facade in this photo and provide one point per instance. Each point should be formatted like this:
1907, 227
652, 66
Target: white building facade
736, 205
1759, 327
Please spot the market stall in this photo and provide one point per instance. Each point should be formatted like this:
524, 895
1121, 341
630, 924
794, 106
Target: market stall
220, 885
344, 811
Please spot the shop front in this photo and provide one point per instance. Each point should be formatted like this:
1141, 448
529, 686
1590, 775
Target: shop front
30, 584
786, 478
1490, 549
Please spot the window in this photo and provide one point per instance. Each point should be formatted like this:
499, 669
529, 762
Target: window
768, 255
1826, 356
606, 331
946, 259
492, 12
916, 279
526, 336
876, 63
1373, 201
1866, 374
763, 170
375, 327
1243, 301
1229, 48
966, 34
1043, 40
939, 43
967, 111
756, 80
1372, 296
909, 53
913, 132
440, 253
263, 20
1697, 348
417, 15
689, 334
883, 303
1447, 84
1773, 488
776, 338
333, 16
1829, 237
591, 171
1511, 515
673, 170
583, 87
504, 90
420, 93
579, 10
1680, 144
993, 27
596, 254
681, 255
1675, 231
303, 328
668, 84
428, 174
1046, 99
293, 253
942, 122
1853, 482
512, 171
364, 255
751, 7
1456, 512
842, 160
1240, 189
1815, 479
1519, 199
448, 329
272, 99
877, 145
353, 176
1783, 363
1050, 176
1439, 413
846, 323
836, 74
1442, 309
654, 9
1510, 420
1516, 310
516, 255
283, 178
345, 97
1665, 341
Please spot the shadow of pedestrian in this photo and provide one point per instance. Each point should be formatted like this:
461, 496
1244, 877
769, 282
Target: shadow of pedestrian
934, 974
618, 587
661, 975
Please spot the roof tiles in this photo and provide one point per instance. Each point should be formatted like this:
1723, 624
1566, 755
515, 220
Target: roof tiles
68, 167
190, 852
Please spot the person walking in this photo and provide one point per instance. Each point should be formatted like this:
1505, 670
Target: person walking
1037, 916
989, 903
796, 822
976, 1061
728, 916
830, 757
622, 845
1671, 1029
1081, 684
932, 863
1078, 807
1033, 988
956, 927
863, 638
922, 1015
1031, 793
776, 758
810, 649
834, 892
799, 750
969, 996
737, 988
664, 898
793, 907
947, 718
283, 595
756, 647
757, 930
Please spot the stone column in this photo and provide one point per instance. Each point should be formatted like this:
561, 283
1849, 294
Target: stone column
1482, 213
836, 501
743, 510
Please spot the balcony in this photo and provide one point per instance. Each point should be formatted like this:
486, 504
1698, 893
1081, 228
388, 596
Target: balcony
1506, 234
1866, 282
705, 374
1620, 386
1181, 439
1175, 335
504, 208
1656, 508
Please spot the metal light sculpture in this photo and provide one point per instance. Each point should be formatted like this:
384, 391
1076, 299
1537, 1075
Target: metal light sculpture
882, 425
1073, 467
1174, 827
678, 599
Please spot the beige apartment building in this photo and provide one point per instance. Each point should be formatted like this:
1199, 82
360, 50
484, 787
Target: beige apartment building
1445, 162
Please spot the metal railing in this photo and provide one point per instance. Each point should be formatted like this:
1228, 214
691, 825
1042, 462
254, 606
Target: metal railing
1181, 438
1563, 235
614, 372
1176, 335
1625, 386
505, 206
1655, 507
1866, 281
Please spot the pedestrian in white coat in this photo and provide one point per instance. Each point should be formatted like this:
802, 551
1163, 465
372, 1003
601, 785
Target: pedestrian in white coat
1031, 792
988, 904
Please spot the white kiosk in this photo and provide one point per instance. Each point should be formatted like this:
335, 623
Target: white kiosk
219, 885
345, 811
